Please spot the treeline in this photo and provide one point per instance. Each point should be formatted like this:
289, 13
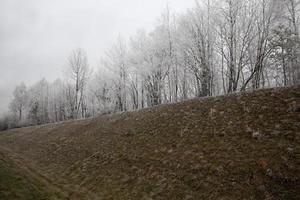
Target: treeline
217, 47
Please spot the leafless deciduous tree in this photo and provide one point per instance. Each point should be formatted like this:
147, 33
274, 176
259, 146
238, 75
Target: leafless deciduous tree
79, 72
18, 104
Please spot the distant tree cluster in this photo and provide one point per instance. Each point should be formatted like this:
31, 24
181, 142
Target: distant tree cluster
46, 102
217, 47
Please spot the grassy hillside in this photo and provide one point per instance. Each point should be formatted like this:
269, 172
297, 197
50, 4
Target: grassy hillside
240, 146
13, 185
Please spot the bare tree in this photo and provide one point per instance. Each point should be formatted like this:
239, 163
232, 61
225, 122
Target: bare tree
38, 103
18, 104
293, 12
264, 21
235, 38
116, 62
294, 20
198, 47
78, 75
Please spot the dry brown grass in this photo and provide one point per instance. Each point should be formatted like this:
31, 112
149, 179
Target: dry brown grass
240, 146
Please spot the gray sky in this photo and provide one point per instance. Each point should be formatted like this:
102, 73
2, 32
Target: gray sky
36, 36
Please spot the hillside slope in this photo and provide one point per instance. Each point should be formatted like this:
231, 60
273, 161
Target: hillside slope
13, 185
240, 146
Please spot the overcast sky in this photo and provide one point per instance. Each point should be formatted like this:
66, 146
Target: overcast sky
36, 36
